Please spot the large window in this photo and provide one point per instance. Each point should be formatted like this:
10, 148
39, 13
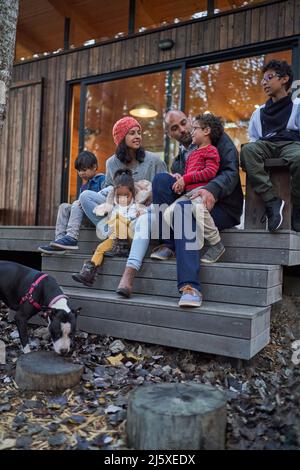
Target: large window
147, 97
155, 13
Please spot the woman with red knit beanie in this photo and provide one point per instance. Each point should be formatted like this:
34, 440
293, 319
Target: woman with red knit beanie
144, 165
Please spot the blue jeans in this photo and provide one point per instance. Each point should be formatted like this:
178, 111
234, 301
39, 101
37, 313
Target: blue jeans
141, 240
90, 199
188, 260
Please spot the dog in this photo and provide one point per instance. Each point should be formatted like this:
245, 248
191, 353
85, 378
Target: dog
28, 291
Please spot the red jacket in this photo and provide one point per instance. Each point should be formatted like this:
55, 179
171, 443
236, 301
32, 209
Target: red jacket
201, 167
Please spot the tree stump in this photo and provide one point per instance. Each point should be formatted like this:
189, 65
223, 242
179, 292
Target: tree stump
176, 417
44, 370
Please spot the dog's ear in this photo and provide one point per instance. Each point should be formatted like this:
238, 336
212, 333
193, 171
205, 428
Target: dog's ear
77, 311
47, 313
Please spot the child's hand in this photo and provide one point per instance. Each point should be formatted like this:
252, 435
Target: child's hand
179, 186
176, 175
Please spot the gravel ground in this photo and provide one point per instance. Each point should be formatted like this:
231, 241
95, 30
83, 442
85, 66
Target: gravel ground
263, 393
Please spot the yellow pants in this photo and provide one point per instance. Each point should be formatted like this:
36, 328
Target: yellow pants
121, 228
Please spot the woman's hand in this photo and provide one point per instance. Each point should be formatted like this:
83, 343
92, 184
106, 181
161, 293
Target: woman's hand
179, 186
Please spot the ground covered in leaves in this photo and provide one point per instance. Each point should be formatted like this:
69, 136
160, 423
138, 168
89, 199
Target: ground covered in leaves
263, 394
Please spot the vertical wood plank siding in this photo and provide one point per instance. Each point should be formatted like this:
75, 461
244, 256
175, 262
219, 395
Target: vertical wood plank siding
254, 25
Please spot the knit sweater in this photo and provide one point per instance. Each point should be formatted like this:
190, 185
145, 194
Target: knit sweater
145, 170
202, 166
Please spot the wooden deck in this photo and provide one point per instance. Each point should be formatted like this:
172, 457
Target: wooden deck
234, 319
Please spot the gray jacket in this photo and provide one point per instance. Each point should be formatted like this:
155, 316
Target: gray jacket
255, 128
145, 170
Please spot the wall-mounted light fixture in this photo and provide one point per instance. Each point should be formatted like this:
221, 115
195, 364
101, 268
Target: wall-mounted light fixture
143, 110
165, 44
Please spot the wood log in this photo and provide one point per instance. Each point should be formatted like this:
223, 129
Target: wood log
176, 417
45, 370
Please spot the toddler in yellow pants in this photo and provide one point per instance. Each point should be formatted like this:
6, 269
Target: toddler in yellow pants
123, 212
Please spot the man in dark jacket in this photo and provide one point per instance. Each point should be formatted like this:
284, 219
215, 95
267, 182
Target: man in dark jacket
178, 127
222, 196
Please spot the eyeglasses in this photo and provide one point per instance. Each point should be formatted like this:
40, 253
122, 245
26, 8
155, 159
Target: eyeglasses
268, 77
197, 127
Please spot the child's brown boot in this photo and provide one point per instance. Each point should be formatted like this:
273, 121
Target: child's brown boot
87, 274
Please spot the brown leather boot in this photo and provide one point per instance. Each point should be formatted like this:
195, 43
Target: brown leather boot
126, 283
87, 274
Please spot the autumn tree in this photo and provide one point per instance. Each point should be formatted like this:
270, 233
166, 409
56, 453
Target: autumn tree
8, 25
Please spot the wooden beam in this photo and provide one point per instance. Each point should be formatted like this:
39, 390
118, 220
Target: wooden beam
68, 11
146, 13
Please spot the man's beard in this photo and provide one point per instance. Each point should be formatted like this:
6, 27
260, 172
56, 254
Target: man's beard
186, 139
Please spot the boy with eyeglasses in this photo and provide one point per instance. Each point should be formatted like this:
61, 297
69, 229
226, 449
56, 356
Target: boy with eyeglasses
274, 132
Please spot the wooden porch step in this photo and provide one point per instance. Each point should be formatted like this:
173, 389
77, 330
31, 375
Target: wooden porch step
217, 328
245, 284
242, 246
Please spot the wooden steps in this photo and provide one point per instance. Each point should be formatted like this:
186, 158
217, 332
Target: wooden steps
233, 320
238, 292
216, 328
257, 285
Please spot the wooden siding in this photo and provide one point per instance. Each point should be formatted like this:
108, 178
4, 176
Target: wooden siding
19, 150
255, 25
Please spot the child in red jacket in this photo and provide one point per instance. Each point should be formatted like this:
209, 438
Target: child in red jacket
201, 167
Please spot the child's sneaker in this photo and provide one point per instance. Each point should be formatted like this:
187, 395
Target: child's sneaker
66, 242
51, 250
190, 297
213, 253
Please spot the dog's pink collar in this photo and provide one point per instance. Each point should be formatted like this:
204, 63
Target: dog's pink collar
28, 295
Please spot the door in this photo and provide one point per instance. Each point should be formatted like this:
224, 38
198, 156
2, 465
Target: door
19, 155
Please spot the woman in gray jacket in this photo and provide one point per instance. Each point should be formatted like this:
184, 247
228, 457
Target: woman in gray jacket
144, 165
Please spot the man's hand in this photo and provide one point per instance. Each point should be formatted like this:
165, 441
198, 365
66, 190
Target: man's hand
207, 198
179, 186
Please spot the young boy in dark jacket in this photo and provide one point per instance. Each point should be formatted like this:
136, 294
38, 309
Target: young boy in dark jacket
69, 216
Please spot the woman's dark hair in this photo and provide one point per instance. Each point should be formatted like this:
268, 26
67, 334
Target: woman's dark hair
122, 153
282, 68
85, 160
124, 178
215, 124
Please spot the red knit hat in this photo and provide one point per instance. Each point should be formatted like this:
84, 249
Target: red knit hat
122, 127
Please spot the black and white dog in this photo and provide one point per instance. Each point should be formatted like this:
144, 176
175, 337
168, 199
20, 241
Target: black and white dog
28, 292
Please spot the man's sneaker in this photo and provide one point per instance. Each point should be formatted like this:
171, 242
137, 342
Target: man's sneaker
213, 253
162, 252
296, 219
274, 210
66, 242
190, 297
50, 250
87, 274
